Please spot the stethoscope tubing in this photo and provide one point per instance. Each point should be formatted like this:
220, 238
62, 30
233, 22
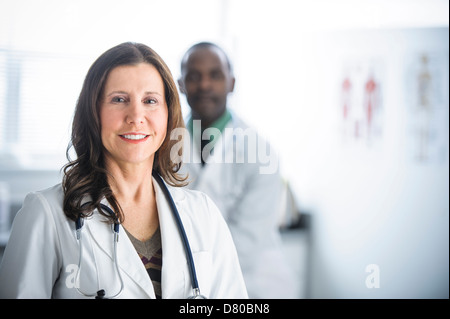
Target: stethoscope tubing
182, 232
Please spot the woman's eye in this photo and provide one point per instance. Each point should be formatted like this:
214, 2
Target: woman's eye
118, 99
150, 101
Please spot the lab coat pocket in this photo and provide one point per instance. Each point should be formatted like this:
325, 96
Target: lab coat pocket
203, 268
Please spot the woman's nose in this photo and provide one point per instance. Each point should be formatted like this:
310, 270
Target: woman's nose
135, 114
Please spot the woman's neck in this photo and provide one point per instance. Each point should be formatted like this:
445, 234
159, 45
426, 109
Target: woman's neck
130, 183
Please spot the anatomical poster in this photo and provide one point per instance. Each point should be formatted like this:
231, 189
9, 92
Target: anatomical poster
361, 102
426, 97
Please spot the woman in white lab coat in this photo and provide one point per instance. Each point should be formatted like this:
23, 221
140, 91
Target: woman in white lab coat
127, 107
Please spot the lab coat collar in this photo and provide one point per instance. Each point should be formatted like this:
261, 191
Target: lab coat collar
225, 142
174, 257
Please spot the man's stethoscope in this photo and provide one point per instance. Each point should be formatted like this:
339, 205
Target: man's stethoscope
101, 293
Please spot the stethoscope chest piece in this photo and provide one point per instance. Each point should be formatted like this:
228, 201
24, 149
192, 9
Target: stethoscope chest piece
197, 295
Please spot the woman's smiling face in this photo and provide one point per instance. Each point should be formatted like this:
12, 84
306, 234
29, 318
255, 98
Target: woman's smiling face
133, 114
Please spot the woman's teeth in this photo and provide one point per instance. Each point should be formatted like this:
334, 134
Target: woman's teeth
134, 137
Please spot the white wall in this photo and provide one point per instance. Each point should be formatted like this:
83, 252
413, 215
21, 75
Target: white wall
378, 203
372, 202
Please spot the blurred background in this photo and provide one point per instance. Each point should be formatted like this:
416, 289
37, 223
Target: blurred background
353, 94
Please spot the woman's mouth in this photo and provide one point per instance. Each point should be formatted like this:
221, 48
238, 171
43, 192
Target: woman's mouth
134, 138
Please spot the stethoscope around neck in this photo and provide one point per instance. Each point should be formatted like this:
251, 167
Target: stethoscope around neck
101, 294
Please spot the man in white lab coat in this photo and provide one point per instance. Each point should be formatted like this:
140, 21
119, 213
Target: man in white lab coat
236, 167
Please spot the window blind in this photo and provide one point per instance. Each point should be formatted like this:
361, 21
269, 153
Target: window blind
38, 94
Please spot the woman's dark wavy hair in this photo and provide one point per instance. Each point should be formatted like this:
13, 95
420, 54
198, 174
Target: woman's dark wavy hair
86, 176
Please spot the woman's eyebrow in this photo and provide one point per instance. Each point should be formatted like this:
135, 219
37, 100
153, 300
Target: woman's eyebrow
154, 92
117, 92
123, 92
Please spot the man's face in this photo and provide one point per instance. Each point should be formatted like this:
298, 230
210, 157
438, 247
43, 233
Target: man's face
206, 81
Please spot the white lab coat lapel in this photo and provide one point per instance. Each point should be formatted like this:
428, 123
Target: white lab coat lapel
222, 148
174, 265
214, 174
129, 262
